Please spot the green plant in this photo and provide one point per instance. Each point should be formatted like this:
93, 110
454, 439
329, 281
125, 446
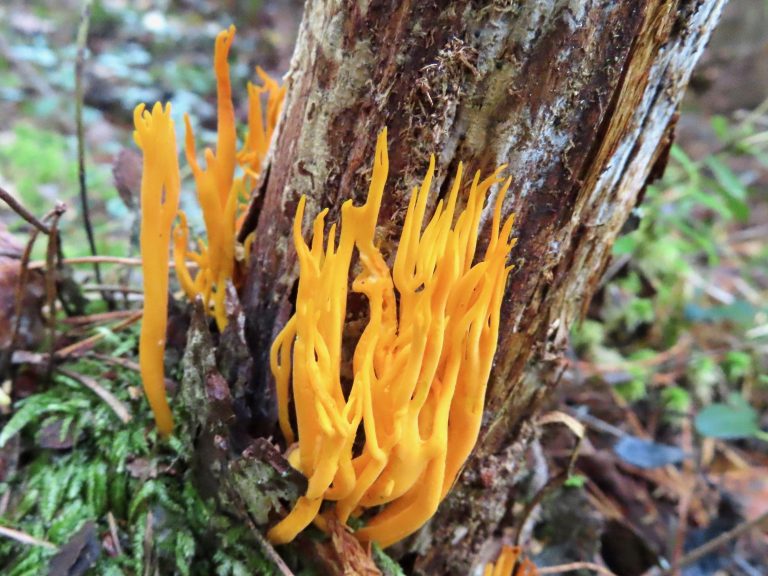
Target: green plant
41, 164
730, 420
660, 315
118, 469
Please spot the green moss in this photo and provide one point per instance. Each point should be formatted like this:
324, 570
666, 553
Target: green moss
114, 468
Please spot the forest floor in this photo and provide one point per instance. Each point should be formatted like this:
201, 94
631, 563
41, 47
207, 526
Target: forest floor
667, 371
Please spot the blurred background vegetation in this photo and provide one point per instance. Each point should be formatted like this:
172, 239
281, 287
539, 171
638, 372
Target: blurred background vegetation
670, 360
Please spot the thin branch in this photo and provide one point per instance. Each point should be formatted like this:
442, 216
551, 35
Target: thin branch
98, 317
19, 301
573, 566
7, 356
109, 398
124, 261
50, 279
126, 365
113, 532
110, 288
83, 345
122, 362
23, 212
710, 546
91, 260
556, 481
688, 486
24, 538
82, 37
267, 548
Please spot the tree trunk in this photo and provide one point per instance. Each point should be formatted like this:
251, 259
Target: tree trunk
579, 99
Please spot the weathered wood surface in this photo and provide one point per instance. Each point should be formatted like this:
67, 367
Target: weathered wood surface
578, 98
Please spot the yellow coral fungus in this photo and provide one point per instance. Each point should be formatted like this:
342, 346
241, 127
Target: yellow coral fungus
218, 191
505, 565
420, 366
160, 188
222, 194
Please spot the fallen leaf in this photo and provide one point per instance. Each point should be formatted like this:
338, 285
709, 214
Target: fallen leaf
31, 328
126, 172
749, 487
77, 556
647, 454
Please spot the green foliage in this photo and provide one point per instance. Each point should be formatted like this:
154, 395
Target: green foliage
732, 420
387, 566
676, 400
632, 390
703, 374
589, 335
42, 165
118, 469
38, 160
575, 481
665, 274
737, 365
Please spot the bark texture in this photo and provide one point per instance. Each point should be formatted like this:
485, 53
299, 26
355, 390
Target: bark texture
579, 99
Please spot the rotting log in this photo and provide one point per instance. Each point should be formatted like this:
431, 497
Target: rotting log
579, 99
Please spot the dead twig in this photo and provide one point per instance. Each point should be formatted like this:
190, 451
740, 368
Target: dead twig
113, 532
82, 37
87, 343
110, 288
24, 538
109, 398
555, 482
573, 566
19, 300
98, 318
127, 365
7, 356
79, 347
264, 544
150, 563
23, 212
50, 278
710, 546
118, 361
271, 553
679, 349
39, 264
684, 504
91, 260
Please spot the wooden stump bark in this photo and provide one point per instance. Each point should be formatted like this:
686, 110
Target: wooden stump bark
578, 98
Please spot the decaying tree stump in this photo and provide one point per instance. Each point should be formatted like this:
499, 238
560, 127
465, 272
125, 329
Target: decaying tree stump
579, 99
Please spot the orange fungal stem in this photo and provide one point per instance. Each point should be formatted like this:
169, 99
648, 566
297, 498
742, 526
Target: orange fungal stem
420, 366
160, 187
222, 194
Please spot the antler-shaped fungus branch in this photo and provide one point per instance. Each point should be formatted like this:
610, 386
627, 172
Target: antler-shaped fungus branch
222, 196
420, 371
160, 186
509, 557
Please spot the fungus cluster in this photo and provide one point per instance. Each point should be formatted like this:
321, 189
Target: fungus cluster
509, 557
223, 196
397, 438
